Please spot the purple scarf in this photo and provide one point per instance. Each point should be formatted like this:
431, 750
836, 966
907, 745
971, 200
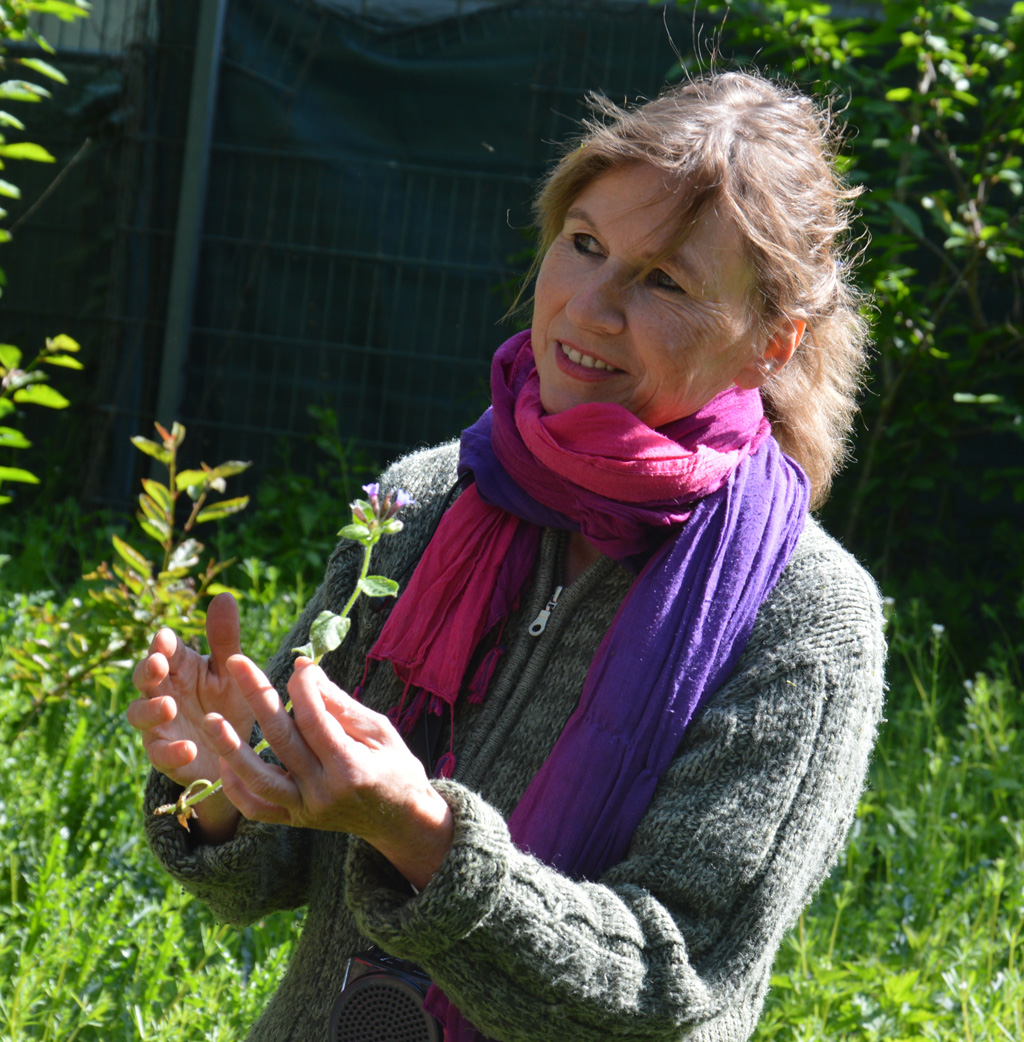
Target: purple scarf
707, 558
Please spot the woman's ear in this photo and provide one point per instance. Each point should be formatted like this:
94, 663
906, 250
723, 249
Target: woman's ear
778, 351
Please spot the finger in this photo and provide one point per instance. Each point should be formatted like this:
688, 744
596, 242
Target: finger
149, 673
146, 714
248, 803
223, 631
359, 722
170, 756
318, 727
264, 781
277, 726
170, 645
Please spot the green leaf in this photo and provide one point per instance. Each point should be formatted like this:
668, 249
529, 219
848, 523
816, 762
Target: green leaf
161, 494
7, 120
357, 532
62, 342
907, 217
186, 554
18, 474
43, 68
132, 557
214, 588
225, 508
65, 361
326, 633
899, 94
10, 356
378, 586
230, 468
6, 406
22, 90
9, 190
156, 529
185, 478
26, 150
151, 448
11, 438
41, 394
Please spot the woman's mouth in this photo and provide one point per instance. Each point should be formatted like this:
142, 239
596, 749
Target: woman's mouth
587, 361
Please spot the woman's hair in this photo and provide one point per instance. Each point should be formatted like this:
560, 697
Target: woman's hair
764, 155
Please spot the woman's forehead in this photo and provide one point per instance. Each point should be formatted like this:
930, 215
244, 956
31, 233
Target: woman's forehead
644, 207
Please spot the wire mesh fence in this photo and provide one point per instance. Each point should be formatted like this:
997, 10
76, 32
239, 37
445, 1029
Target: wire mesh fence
364, 218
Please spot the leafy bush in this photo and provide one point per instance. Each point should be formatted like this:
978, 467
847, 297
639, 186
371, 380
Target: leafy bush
934, 101
28, 385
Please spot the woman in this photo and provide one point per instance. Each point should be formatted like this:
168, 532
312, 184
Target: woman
658, 680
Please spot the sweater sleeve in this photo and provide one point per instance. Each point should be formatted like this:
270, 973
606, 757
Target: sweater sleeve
678, 939
266, 868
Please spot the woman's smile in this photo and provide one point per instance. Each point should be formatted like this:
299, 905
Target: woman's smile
572, 359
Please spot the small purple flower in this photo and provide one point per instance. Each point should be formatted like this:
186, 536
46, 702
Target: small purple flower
391, 507
373, 491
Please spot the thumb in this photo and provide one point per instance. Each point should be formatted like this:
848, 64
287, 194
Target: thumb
223, 631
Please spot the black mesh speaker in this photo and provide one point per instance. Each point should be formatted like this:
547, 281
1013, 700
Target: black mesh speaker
382, 1001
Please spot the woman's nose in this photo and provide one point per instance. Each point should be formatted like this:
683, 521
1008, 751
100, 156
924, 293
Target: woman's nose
598, 302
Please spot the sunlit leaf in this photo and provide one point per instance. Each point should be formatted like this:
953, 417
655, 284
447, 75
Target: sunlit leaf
132, 557
326, 633
151, 448
10, 355
160, 493
41, 394
186, 554
378, 586
22, 90
230, 468
9, 190
62, 342
7, 120
18, 474
66, 361
223, 509
12, 438
43, 68
186, 478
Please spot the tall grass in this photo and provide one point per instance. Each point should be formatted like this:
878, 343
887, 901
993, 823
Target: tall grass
917, 935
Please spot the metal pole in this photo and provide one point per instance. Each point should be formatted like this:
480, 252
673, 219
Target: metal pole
191, 206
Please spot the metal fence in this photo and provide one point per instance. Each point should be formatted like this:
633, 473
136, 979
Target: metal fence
288, 203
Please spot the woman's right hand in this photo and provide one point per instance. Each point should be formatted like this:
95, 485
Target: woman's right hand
179, 687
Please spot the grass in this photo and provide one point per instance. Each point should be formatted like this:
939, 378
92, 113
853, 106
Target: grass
917, 934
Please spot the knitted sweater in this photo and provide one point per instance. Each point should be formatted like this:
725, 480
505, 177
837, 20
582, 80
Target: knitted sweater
674, 942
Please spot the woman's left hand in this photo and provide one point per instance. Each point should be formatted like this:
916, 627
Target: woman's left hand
348, 770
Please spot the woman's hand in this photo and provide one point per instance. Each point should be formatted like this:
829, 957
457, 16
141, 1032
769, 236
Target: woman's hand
179, 687
348, 770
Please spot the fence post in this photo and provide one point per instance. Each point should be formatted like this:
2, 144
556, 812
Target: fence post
191, 206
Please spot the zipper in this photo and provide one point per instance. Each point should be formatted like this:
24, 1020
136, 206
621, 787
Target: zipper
538, 624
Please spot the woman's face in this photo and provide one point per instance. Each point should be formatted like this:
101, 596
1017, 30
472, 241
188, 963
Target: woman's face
662, 347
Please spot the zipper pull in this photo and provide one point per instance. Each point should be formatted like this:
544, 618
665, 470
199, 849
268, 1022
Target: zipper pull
538, 624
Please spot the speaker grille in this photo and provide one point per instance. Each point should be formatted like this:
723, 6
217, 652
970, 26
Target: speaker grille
382, 1008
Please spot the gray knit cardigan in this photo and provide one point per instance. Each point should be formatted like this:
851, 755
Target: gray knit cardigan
675, 942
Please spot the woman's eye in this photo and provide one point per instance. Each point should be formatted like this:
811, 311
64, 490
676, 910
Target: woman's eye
584, 243
660, 280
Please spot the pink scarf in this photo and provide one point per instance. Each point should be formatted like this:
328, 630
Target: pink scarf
707, 510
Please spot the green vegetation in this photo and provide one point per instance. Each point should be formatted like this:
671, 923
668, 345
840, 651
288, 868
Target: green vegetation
933, 97
27, 385
918, 933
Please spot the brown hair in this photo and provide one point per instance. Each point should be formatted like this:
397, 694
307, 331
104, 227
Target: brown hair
764, 154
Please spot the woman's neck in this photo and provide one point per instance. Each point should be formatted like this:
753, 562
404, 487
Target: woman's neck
580, 554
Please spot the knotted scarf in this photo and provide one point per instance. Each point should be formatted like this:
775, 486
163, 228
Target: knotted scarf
706, 510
